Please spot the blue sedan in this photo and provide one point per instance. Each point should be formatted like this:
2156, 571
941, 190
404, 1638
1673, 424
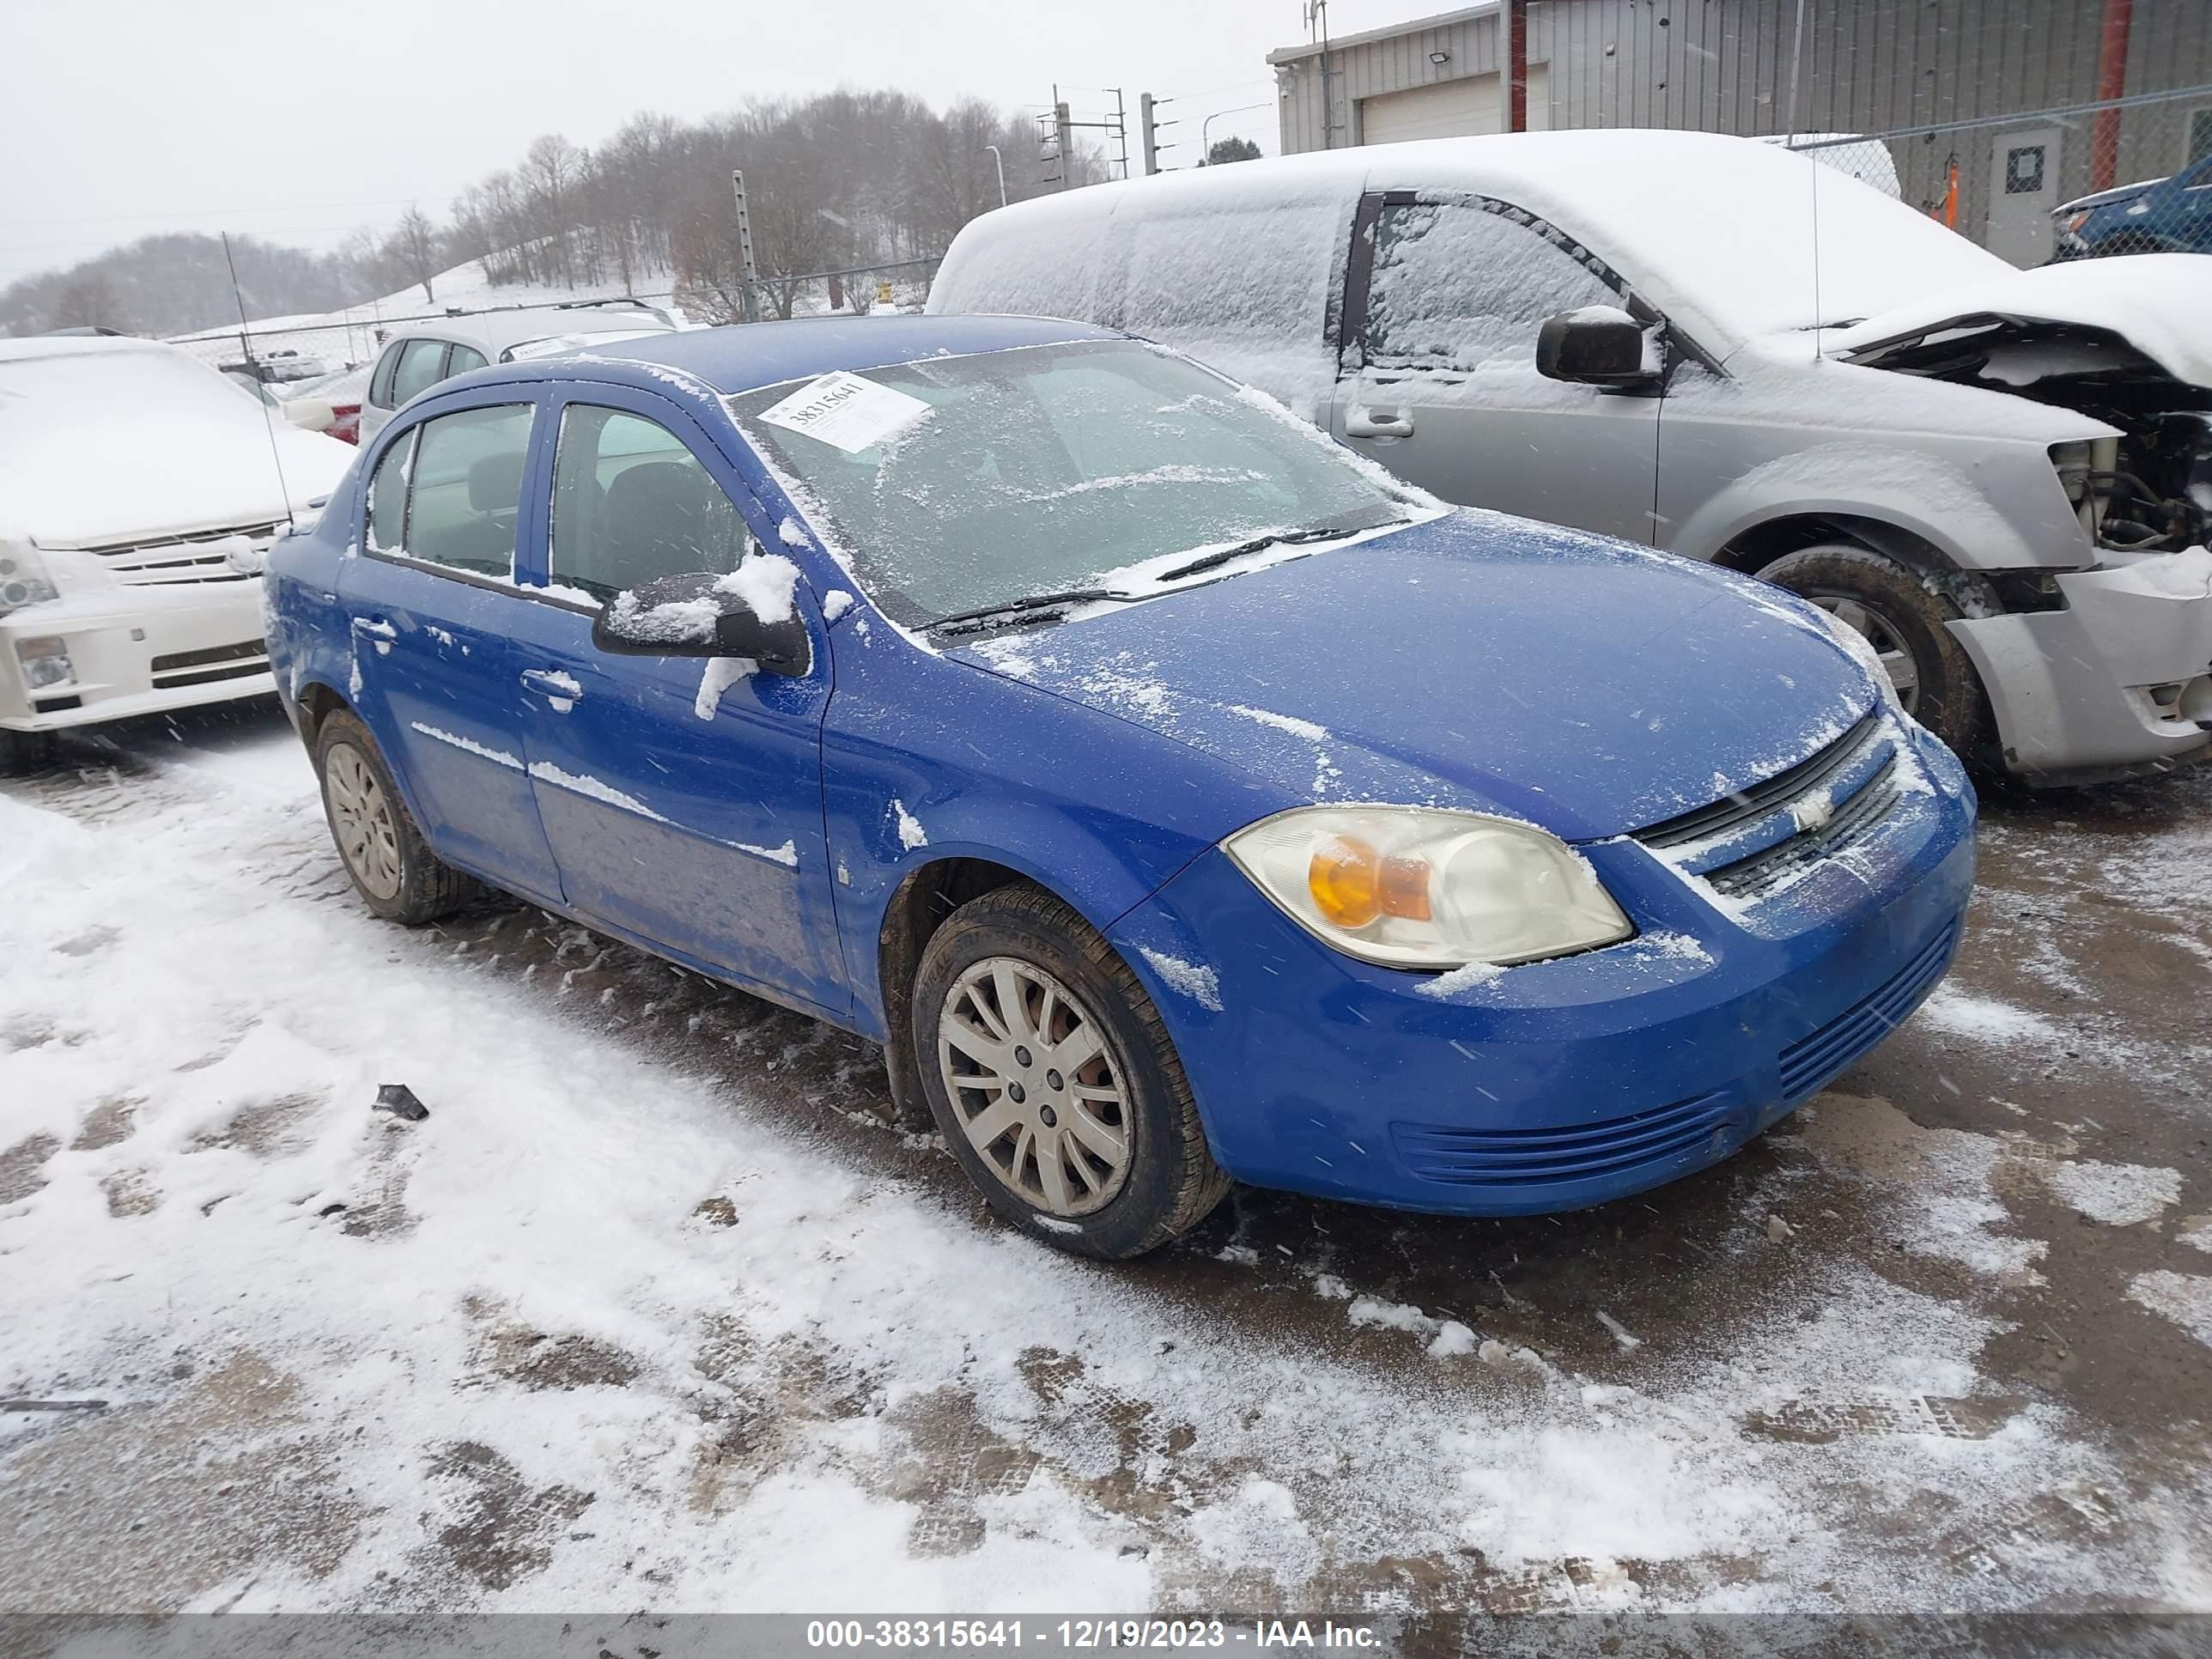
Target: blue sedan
1176, 796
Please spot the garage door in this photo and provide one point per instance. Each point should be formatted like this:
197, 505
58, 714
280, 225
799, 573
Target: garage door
1449, 109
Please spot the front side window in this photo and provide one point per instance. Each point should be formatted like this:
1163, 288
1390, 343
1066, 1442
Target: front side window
631, 503
1461, 287
418, 369
1007, 475
464, 490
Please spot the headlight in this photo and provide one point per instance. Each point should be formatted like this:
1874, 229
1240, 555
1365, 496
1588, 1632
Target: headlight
1862, 649
23, 577
1419, 887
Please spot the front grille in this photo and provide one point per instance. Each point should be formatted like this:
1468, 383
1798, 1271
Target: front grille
1809, 1064
205, 667
1747, 805
168, 561
1531, 1157
1854, 820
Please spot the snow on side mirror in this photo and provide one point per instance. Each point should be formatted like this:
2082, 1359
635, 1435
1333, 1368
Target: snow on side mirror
311, 414
1595, 345
704, 615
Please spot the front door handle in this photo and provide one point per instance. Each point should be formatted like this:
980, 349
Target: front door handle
1361, 421
561, 689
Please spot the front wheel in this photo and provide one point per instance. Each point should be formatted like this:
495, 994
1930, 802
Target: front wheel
383, 849
1904, 623
1053, 1081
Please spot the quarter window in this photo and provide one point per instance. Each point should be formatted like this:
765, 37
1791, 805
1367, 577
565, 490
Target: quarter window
1461, 287
418, 369
464, 490
464, 359
632, 503
380, 384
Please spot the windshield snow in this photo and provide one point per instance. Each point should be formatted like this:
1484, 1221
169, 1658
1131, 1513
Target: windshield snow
92, 387
983, 480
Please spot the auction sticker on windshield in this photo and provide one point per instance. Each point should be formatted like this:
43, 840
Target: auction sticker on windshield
847, 411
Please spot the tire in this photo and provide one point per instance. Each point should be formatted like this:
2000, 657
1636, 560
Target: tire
389, 863
25, 752
1890, 604
1166, 1181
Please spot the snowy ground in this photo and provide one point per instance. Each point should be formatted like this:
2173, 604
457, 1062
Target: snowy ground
658, 1308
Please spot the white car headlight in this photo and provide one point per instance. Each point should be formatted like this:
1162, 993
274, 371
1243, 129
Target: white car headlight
24, 578
1421, 887
1862, 649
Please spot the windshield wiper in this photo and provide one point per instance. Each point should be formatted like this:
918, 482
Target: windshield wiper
1024, 607
1324, 533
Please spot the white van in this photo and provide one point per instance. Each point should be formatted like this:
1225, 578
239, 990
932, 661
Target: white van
2003, 479
138, 490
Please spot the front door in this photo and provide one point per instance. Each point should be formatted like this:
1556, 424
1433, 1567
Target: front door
2023, 189
1442, 305
429, 601
682, 797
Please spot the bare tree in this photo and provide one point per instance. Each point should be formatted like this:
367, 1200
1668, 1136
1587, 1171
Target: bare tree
414, 246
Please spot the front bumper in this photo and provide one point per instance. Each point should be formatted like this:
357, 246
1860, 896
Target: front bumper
1562, 1084
2072, 689
137, 651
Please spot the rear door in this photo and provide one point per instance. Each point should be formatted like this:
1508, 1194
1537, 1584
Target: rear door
430, 600
682, 799
1443, 297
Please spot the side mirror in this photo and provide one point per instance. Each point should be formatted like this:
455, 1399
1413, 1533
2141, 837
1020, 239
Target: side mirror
1596, 346
313, 414
698, 616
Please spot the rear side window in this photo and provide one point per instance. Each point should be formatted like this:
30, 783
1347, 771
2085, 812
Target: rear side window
464, 359
1463, 286
632, 503
418, 369
387, 497
380, 384
462, 489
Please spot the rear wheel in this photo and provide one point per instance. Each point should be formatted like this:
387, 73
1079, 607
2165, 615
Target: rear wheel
1904, 623
1053, 1081
24, 752
390, 864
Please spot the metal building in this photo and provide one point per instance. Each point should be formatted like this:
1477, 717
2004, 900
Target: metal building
1977, 104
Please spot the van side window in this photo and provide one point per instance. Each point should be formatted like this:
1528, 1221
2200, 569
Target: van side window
632, 503
465, 489
1464, 288
418, 369
464, 359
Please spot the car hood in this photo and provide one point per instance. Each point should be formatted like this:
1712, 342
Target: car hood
2153, 301
137, 476
1475, 660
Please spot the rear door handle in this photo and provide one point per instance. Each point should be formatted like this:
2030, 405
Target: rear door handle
1361, 422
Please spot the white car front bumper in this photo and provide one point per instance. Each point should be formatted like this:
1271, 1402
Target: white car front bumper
135, 650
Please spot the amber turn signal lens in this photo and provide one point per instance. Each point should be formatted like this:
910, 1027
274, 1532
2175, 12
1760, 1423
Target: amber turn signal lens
1351, 884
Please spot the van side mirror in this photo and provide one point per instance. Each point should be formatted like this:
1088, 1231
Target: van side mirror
697, 615
1596, 346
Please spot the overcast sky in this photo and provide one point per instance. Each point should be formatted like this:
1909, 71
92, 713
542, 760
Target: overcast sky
299, 119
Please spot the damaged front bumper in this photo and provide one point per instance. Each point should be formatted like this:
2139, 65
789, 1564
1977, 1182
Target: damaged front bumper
2118, 681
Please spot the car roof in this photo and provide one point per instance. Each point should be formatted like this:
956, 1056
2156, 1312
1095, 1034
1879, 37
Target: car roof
497, 331
742, 357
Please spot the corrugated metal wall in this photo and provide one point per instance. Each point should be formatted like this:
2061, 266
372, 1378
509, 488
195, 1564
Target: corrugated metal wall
1866, 66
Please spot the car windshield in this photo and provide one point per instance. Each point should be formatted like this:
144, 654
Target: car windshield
962, 483
93, 384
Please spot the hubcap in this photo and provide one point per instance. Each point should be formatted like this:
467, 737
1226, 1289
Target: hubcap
360, 819
1034, 1086
1884, 635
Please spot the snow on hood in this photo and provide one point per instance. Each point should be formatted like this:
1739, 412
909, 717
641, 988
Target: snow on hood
1477, 661
2160, 303
144, 440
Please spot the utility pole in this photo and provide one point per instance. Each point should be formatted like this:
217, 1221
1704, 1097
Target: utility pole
749, 303
1148, 129
1516, 65
1317, 21
1063, 127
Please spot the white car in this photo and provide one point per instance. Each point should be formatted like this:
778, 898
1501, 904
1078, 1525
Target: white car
138, 490
420, 355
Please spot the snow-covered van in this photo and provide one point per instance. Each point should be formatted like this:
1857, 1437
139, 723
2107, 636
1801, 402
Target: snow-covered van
138, 488
2002, 477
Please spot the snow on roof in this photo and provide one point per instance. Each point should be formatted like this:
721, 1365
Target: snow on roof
1389, 32
1718, 232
